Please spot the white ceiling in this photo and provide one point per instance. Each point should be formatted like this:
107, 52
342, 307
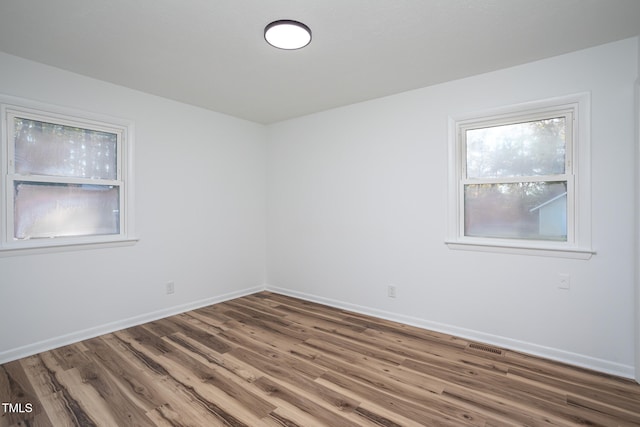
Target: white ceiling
211, 53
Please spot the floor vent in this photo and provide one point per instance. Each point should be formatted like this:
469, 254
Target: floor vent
485, 348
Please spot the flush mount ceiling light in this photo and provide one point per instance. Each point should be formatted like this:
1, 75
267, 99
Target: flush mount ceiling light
287, 34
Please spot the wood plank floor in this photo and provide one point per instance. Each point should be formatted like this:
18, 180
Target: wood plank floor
271, 360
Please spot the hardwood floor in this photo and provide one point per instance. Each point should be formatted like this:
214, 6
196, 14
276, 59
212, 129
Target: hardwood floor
271, 360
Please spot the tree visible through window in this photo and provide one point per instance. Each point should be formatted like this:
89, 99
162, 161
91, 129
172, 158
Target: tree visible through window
516, 177
65, 179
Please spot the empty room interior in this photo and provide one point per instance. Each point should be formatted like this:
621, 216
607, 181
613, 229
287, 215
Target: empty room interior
427, 213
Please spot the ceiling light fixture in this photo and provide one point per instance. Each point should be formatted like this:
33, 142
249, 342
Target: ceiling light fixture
287, 34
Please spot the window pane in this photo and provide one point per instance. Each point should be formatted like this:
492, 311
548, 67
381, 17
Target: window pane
522, 149
55, 150
529, 210
58, 210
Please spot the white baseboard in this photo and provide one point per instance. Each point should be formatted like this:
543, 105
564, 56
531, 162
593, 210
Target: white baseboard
559, 355
576, 359
50, 344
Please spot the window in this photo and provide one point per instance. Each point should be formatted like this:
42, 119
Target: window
66, 178
519, 179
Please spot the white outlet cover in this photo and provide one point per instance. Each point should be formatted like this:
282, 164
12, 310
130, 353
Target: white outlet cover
391, 291
564, 281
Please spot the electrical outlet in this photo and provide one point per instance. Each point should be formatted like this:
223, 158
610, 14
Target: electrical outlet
564, 281
170, 288
391, 291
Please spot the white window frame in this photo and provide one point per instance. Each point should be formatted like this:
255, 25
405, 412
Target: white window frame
577, 175
10, 108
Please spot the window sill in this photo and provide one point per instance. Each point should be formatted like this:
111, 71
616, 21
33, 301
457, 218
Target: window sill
65, 247
535, 250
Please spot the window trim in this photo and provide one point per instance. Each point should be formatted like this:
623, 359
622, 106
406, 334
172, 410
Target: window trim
11, 107
578, 244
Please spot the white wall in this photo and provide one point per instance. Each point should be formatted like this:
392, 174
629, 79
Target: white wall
199, 215
637, 216
357, 200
